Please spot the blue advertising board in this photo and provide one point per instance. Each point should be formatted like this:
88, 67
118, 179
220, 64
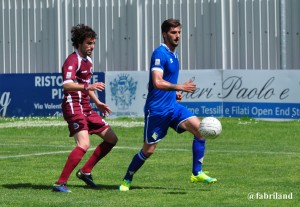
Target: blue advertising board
38, 94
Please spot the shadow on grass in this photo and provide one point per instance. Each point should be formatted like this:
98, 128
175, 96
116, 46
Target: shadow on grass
100, 187
47, 187
26, 186
180, 191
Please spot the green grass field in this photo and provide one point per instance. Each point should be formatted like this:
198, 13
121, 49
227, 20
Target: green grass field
257, 163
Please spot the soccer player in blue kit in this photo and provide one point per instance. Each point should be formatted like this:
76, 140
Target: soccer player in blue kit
162, 109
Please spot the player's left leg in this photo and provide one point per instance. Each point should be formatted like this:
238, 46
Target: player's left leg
187, 121
97, 125
109, 141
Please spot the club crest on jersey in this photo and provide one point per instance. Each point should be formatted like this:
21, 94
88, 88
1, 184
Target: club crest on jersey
123, 91
68, 75
75, 125
171, 60
157, 62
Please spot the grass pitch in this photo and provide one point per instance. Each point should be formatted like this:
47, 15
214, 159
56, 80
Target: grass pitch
257, 163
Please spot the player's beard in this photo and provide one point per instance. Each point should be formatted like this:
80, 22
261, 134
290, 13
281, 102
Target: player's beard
175, 43
171, 43
89, 52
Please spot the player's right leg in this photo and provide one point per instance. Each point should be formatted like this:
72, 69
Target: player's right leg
155, 129
61, 188
72, 161
83, 143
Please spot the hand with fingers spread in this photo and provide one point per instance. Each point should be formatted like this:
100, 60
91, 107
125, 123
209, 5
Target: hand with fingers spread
188, 86
99, 86
105, 110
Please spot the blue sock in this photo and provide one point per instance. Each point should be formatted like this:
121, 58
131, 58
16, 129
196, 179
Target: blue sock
198, 154
137, 162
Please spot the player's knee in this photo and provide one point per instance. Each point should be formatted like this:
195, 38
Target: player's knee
148, 153
114, 140
84, 146
109, 136
111, 139
148, 149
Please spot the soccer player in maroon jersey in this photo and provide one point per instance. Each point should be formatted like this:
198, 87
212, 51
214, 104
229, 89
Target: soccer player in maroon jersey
82, 120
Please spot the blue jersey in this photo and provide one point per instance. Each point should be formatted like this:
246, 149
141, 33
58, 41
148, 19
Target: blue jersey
167, 62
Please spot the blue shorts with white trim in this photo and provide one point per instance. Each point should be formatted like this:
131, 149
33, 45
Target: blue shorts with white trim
157, 124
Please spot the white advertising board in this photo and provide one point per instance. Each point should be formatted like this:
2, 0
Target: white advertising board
230, 93
125, 92
261, 94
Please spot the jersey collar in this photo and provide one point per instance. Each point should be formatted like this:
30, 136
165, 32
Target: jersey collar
85, 59
165, 46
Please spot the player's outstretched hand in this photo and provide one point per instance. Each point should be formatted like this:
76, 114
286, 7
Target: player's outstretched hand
104, 109
189, 86
99, 86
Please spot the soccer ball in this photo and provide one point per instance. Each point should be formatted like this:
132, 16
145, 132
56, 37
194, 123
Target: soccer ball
210, 127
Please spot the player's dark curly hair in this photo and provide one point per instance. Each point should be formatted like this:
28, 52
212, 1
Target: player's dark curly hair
80, 32
169, 23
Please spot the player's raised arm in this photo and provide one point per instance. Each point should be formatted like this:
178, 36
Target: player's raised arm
160, 83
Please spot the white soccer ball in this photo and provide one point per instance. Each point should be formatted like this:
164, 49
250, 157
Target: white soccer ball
210, 127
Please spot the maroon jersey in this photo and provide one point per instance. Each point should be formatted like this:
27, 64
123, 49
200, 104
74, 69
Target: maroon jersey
78, 70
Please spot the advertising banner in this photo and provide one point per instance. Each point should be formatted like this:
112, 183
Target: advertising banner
261, 94
221, 93
206, 100
228, 93
126, 92
38, 94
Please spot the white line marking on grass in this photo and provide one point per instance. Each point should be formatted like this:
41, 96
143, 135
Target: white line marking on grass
34, 154
23, 124
163, 149
41, 123
38, 145
38, 154
219, 151
254, 152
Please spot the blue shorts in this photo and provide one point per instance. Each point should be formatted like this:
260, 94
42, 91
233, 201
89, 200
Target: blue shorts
157, 124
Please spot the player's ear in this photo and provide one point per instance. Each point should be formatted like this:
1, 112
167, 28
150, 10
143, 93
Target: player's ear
164, 35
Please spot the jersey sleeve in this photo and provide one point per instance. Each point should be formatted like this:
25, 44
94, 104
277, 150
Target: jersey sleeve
69, 69
157, 61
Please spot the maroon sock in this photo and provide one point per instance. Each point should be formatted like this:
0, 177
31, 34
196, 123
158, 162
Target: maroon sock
73, 160
100, 152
